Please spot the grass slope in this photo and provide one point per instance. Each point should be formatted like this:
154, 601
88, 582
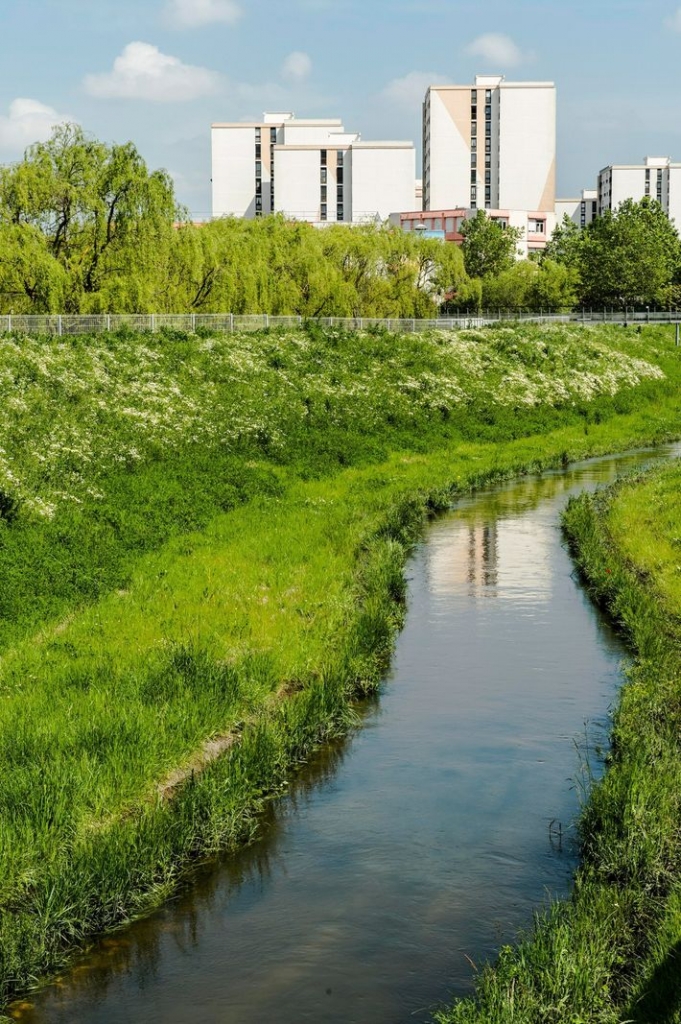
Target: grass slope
226, 561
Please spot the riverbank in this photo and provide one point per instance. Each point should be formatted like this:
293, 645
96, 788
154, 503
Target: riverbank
258, 627
612, 952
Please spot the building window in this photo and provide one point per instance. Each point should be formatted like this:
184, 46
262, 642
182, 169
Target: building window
258, 135
474, 113
339, 159
488, 96
323, 156
437, 223
339, 213
449, 224
474, 159
339, 193
339, 175
273, 136
474, 129
488, 177
474, 96
323, 212
323, 176
537, 227
474, 177
647, 183
258, 150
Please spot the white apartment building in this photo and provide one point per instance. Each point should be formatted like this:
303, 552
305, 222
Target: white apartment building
656, 177
581, 211
490, 146
311, 170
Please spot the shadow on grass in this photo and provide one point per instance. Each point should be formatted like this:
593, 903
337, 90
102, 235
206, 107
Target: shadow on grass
660, 1001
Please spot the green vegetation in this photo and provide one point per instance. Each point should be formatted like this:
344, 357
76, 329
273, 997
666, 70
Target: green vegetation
613, 952
87, 228
630, 257
202, 539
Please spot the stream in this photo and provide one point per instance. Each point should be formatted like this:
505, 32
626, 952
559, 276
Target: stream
405, 855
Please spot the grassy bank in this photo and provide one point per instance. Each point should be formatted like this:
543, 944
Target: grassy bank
613, 952
213, 549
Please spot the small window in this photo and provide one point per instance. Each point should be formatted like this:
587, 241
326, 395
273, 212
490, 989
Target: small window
474, 177
339, 193
339, 175
273, 136
258, 135
474, 95
323, 156
323, 193
437, 223
474, 113
258, 150
339, 213
449, 224
474, 159
488, 96
488, 113
323, 212
324, 176
258, 168
339, 159
474, 130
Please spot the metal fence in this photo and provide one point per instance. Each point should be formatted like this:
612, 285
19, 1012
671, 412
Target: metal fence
227, 322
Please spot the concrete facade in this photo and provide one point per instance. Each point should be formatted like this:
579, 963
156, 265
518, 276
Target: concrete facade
581, 211
490, 146
311, 170
656, 177
536, 227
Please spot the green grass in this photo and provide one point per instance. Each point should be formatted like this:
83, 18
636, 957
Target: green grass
612, 953
235, 567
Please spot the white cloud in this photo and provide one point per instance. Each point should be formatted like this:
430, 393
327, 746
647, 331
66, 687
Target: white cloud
674, 22
28, 121
142, 72
195, 13
296, 67
409, 91
498, 49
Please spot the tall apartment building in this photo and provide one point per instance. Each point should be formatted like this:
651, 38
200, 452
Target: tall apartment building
311, 170
581, 211
490, 146
656, 177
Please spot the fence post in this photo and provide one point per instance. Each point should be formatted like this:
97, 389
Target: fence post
9, 324
59, 325
678, 335
231, 323
193, 323
266, 320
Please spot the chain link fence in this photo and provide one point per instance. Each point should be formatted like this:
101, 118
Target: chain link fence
227, 322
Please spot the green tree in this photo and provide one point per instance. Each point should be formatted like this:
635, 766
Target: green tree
105, 219
488, 248
630, 257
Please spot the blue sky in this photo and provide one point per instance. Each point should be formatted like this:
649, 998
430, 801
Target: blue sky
159, 72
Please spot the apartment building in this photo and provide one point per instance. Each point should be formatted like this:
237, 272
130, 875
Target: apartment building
311, 170
656, 177
490, 146
581, 211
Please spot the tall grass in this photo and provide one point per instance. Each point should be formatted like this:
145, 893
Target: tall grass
244, 583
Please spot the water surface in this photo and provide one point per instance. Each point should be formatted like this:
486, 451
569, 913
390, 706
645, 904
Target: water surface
405, 855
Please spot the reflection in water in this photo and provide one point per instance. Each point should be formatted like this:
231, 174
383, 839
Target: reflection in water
420, 843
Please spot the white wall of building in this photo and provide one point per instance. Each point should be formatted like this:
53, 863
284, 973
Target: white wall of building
527, 146
381, 178
657, 178
233, 174
447, 147
297, 176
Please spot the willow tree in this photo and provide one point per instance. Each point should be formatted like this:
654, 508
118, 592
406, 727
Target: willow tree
105, 221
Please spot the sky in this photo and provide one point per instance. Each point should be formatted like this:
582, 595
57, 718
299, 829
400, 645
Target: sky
159, 72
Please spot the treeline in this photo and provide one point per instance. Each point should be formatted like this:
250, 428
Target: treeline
87, 228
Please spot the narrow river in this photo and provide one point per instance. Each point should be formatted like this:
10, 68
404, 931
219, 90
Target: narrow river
407, 854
